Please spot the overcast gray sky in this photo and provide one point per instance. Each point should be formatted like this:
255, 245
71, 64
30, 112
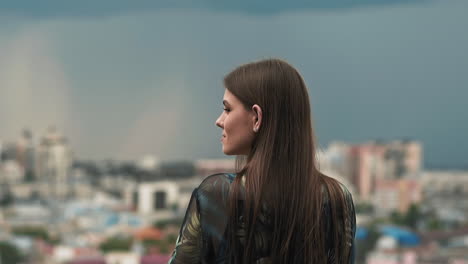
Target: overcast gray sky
123, 80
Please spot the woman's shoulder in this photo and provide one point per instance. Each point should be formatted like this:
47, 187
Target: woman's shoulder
213, 191
344, 190
218, 178
216, 183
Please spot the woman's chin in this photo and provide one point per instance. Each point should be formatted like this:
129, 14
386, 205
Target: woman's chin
231, 152
227, 151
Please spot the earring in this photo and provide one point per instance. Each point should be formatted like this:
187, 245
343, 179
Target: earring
255, 129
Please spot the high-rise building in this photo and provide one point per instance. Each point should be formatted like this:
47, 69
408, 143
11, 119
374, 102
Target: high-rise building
367, 167
403, 159
363, 165
54, 160
24, 154
336, 158
396, 195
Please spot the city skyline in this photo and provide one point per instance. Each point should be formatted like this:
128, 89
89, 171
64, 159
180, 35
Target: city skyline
123, 82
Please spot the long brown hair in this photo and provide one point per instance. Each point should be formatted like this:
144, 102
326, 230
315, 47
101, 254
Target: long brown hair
281, 171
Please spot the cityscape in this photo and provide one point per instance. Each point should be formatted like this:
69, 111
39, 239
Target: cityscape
56, 209
108, 110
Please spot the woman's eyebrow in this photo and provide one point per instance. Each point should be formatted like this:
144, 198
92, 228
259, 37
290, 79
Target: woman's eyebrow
226, 103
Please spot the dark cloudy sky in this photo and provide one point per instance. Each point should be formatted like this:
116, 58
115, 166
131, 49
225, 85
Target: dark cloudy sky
123, 79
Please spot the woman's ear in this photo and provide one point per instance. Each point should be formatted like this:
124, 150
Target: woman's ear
257, 122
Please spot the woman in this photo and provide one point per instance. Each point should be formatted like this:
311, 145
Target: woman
278, 207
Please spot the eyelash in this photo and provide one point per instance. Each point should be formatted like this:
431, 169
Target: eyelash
226, 109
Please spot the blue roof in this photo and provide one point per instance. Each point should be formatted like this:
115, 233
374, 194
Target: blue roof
403, 236
361, 233
111, 220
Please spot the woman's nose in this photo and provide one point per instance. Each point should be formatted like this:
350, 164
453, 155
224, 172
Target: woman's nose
219, 122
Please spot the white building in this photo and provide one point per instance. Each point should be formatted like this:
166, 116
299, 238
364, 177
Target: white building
29, 214
205, 167
122, 258
11, 172
446, 192
148, 163
162, 199
153, 198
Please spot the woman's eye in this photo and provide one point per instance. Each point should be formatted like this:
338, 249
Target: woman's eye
226, 109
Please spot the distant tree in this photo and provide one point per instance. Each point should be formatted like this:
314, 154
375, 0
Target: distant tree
3, 156
116, 244
413, 216
29, 176
6, 199
128, 169
35, 195
9, 253
434, 224
164, 247
32, 231
178, 169
397, 218
91, 168
174, 207
162, 224
364, 208
171, 238
161, 245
